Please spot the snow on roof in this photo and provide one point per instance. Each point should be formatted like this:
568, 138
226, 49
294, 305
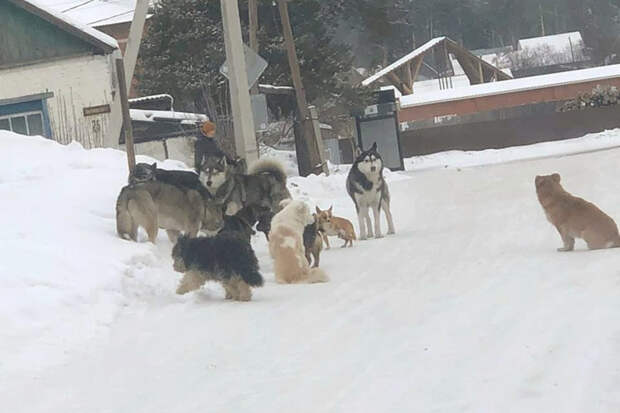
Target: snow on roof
94, 12
150, 97
408, 57
144, 115
512, 85
55, 16
272, 87
557, 42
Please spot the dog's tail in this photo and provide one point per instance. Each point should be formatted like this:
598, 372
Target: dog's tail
124, 221
317, 275
269, 166
253, 279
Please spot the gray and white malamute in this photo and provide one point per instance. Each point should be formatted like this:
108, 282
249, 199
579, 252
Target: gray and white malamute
185, 181
368, 189
264, 185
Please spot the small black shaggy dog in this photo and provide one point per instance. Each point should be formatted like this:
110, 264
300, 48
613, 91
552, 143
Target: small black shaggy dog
225, 258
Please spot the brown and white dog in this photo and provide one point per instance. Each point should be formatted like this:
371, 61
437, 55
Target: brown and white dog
574, 217
329, 225
286, 245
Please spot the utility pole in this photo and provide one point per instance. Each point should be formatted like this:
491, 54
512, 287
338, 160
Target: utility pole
309, 158
542, 20
127, 127
135, 38
253, 17
129, 64
245, 139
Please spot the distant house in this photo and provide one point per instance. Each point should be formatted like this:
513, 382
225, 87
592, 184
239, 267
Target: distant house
112, 17
58, 77
548, 54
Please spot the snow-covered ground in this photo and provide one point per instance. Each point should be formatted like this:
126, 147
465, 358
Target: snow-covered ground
460, 159
468, 308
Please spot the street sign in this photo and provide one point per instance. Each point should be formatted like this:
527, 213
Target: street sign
259, 110
254, 66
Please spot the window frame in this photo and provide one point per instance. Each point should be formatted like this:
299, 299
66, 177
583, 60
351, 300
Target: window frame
25, 116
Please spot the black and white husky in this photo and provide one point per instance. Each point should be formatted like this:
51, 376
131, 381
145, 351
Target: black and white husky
368, 189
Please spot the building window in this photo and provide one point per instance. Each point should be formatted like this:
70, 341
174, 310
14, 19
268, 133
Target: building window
24, 123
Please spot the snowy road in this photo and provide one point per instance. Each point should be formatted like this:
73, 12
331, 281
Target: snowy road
468, 308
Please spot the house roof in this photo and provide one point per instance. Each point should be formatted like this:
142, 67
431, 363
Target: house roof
557, 42
475, 68
185, 118
80, 30
94, 13
405, 59
514, 85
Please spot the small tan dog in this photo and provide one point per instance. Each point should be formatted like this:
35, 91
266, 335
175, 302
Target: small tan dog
574, 217
286, 245
330, 225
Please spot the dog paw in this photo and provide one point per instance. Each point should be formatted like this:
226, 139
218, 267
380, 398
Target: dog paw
564, 249
378, 236
391, 232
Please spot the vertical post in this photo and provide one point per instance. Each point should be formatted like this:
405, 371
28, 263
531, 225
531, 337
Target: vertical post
416, 70
122, 87
133, 41
311, 150
253, 17
316, 126
542, 20
245, 139
129, 61
480, 72
408, 75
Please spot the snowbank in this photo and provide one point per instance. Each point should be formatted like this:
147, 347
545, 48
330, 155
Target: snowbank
462, 159
63, 268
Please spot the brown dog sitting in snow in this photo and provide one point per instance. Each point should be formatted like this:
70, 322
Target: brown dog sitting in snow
575, 217
330, 225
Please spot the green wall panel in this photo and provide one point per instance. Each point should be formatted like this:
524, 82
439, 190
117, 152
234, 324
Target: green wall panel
25, 37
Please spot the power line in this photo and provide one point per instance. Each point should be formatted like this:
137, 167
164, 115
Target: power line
111, 17
77, 5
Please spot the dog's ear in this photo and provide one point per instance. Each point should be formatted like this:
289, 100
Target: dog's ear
318, 211
285, 202
330, 209
154, 165
223, 161
556, 177
374, 147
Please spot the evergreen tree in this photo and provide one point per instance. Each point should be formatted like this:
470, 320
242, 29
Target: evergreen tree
184, 48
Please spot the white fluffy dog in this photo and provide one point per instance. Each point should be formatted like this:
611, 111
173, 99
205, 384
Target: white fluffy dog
286, 245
